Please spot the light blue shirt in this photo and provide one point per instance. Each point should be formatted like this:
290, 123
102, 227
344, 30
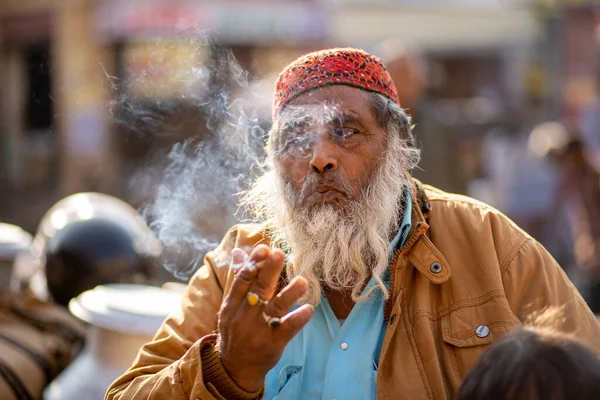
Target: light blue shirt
329, 360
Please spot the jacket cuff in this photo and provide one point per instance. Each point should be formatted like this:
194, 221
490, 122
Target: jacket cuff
214, 373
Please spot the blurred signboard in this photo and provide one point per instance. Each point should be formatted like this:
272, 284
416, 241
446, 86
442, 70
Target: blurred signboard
236, 22
25, 29
164, 69
476, 3
434, 27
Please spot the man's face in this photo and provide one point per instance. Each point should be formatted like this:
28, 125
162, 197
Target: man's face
333, 198
328, 146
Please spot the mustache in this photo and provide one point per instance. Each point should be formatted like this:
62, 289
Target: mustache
337, 181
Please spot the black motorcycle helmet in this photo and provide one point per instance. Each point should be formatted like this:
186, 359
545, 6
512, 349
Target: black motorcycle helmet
91, 252
91, 239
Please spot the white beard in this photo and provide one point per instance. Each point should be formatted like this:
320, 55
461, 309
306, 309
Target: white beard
333, 246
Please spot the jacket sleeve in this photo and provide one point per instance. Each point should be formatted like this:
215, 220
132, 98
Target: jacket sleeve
174, 365
534, 282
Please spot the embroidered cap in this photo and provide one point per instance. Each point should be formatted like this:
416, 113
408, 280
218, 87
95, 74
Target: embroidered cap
342, 66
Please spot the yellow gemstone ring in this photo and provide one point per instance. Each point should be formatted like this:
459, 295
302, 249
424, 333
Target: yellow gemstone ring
254, 299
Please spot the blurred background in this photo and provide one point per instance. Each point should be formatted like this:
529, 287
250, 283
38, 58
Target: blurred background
95, 93
162, 106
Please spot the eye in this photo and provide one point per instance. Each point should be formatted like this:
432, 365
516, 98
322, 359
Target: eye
344, 132
298, 139
296, 142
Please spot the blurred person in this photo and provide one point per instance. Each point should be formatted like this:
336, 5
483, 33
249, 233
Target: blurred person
589, 121
590, 129
579, 193
360, 282
534, 363
38, 339
86, 240
523, 186
405, 64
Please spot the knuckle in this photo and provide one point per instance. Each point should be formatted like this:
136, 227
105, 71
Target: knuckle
245, 277
260, 286
277, 309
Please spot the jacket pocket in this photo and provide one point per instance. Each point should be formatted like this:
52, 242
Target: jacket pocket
469, 330
288, 385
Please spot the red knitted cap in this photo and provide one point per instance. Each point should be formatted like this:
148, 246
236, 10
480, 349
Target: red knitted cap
347, 66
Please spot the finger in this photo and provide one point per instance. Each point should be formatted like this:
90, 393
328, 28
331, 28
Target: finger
238, 258
280, 304
266, 282
293, 322
242, 281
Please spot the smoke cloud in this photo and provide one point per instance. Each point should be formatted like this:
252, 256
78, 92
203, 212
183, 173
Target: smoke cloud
192, 188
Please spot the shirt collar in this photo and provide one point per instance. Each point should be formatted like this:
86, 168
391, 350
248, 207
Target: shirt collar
406, 224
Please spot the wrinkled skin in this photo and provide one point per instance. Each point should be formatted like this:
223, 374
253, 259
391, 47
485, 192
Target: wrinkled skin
342, 149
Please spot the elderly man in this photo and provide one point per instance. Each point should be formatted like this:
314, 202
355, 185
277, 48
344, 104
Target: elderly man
362, 283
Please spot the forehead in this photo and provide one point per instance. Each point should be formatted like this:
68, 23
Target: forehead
328, 102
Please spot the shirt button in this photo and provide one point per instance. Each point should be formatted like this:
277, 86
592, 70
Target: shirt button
482, 331
344, 346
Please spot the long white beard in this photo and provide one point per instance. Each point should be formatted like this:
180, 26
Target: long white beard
333, 246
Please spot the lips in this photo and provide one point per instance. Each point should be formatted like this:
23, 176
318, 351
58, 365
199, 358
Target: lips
324, 194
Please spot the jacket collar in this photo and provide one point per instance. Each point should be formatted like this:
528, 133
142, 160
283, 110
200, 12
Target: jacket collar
419, 249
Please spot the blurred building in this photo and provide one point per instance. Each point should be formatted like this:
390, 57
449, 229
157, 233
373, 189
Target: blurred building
85, 82
54, 129
475, 53
92, 88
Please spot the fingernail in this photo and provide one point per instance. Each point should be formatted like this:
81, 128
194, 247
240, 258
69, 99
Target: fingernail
238, 258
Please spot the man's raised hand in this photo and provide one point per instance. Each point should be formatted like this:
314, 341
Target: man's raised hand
248, 346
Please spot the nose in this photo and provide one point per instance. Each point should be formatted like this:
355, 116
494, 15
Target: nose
323, 156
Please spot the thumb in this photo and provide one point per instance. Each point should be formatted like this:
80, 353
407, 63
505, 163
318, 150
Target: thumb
238, 258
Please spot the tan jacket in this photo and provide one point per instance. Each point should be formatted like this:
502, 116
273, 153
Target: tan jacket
492, 275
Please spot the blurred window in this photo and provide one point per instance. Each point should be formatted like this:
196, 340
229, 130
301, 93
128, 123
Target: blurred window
39, 102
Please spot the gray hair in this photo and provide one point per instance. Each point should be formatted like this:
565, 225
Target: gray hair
395, 121
392, 117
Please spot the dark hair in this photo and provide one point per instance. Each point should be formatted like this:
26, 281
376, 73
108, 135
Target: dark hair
533, 364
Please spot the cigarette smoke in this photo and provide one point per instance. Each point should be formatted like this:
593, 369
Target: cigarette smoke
192, 189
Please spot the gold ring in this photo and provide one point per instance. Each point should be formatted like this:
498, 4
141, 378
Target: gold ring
254, 299
273, 322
